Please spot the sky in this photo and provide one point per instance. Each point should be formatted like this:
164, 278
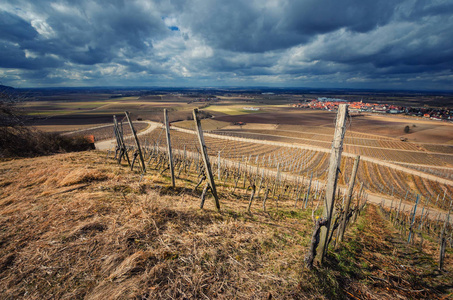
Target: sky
375, 44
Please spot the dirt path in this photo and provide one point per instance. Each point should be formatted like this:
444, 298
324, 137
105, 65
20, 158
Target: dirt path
110, 144
85, 129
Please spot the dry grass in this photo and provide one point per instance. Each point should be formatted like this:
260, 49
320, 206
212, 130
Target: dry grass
115, 237
80, 226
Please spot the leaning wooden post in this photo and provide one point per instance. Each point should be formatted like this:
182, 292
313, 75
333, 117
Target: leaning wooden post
412, 222
334, 165
119, 134
348, 199
170, 155
308, 191
115, 131
118, 142
136, 142
204, 153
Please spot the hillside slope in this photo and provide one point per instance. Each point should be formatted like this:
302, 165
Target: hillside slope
78, 225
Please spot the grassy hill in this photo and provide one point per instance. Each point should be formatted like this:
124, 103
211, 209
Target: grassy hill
78, 225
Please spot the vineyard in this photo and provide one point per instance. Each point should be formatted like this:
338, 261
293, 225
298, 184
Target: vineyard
286, 175
420, 228
290, 161
388, 150
296, 161
253, 166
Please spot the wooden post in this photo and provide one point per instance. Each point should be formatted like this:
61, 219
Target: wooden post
359, 196
423, 210
122, 145
308, 191
218, 166
170, 155
348, 199
115, 131
119, 145
204, 152
136, 142
413, 219
334, 165
399, 206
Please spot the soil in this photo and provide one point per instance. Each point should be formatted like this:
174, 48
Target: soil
422, 131
316, 118
73, 120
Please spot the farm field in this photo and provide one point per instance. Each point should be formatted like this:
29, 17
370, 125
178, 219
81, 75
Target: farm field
70, 114
375, 137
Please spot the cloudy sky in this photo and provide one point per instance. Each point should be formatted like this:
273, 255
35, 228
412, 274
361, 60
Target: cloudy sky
396, 44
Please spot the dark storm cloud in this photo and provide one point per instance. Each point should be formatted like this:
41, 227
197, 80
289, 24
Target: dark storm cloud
13, 57
87, 32
290, 42
244, 26
323, 16
15, 29
424, 46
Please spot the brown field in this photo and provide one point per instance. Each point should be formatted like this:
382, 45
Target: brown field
421, 131
373, 136
70, 113
286, 116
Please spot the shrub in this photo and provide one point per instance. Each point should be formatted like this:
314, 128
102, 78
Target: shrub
24, 142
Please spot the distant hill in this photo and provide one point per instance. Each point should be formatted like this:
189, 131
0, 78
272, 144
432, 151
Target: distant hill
6, 88
7, 93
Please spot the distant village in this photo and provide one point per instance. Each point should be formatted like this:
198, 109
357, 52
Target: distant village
440, 114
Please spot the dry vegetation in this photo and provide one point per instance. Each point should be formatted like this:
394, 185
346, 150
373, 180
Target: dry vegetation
80, 226
377, 178
26, 142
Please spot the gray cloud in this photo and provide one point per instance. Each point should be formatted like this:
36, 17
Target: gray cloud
15, 29
285, 42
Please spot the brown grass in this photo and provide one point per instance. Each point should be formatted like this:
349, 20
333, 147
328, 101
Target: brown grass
80, 226
116, 237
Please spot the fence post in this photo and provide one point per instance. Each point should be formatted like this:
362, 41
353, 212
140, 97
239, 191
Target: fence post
218, 166
413, 219
308, 191
136, 141
204, 153
334, 164
348, 199
399, 206
122, 145
170, 155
